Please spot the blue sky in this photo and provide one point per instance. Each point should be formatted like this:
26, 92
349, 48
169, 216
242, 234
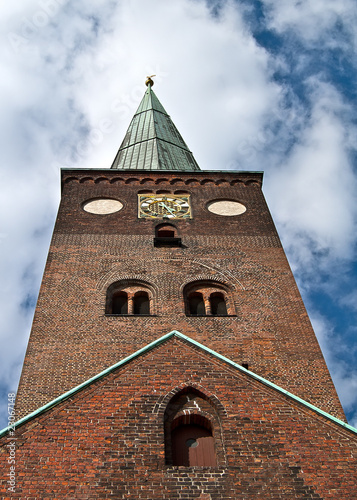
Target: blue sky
264, 85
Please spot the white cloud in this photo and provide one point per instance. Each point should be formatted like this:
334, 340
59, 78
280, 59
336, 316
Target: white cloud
23, 243
213, 64
323, 21
314, 191
350, 300
344, 378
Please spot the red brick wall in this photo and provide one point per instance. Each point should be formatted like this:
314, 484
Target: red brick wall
72, 339
108, 440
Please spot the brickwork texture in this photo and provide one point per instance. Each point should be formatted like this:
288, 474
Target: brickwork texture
72, 338
108, 440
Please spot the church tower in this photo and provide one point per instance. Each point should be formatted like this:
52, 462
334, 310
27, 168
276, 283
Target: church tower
171, 355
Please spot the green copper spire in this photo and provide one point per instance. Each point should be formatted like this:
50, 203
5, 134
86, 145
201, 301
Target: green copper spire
152, 142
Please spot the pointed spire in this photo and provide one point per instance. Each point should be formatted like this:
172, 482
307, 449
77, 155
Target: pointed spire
152, 142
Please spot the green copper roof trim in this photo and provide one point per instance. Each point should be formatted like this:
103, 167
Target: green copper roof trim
197, 172
152, 142
147, 348
268, 383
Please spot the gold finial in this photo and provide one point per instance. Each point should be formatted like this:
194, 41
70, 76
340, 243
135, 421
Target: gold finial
149, 81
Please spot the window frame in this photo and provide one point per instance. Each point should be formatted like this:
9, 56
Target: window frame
208, 288
132, 288
189, 405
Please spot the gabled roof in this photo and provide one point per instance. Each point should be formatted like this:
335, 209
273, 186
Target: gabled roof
154, 344
152, 142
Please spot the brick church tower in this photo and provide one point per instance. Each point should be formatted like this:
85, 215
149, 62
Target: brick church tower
171, 355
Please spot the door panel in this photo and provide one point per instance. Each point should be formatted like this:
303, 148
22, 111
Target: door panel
193, 445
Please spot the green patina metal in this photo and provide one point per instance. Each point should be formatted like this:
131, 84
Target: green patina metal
154, 344
200, 172
152, 142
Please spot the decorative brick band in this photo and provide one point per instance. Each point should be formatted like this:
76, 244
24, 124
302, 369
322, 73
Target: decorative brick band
202, 178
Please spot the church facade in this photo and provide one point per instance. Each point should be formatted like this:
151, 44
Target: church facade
171, 355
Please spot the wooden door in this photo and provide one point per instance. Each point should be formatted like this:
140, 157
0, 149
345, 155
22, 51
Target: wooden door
193, 445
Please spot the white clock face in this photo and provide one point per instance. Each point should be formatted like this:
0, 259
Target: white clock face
164, 206
102, 206
227, 208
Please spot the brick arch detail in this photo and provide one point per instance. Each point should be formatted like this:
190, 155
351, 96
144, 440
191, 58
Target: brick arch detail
116, 180
166, 225
163, 401
192, 181
164, 180
132, 180
101, 180
221, 182
82, 180
115, 276
213, 416
146, 180
238, 181
182, 191
207, 279
229, 280
176, 180
67, 180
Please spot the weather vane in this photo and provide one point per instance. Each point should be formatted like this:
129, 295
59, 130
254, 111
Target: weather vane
149, 81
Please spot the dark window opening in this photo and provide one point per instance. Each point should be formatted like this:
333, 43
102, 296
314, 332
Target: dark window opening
196, 305
120, 303
166, 236
207, 298
128, 298
141, 303
165, 233
218, 305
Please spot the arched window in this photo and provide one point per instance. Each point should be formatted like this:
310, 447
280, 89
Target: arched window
208, 298
218, 304
141, 303
196, 304
166, 236
120, 303
126, 298
166, 233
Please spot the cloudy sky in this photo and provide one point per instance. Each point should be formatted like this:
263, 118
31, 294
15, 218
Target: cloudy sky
251, 85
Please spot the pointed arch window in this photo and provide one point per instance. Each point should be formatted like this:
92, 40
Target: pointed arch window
192, 427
